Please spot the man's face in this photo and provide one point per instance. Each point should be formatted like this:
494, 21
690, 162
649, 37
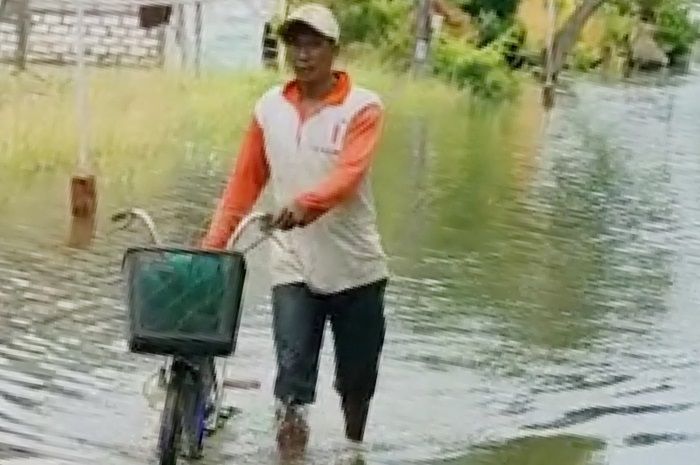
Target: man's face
310, 54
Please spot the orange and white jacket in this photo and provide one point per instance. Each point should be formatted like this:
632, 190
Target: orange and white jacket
320, 159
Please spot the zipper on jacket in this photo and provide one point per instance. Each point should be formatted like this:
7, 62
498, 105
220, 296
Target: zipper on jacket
303, 119
300, 125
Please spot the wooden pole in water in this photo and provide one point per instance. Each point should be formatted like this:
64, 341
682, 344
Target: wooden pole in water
83, 192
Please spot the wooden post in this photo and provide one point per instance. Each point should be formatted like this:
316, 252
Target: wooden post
83, 190
83, 196
23, 26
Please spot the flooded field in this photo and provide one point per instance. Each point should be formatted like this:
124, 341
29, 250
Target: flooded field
543, 308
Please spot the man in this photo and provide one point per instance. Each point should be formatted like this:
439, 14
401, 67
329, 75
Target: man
312, 143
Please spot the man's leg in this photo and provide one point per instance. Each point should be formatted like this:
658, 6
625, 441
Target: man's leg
298, 324
358, 324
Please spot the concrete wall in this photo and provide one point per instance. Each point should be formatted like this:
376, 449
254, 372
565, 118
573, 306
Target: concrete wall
112, 36
233, 33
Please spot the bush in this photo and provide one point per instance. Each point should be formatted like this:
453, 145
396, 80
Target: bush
482, 69
491, 27
381, 28
585, 57
617, 24
675, 30
370, 21
504, 9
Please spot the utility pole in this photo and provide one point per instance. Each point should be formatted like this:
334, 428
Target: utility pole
282, 7
3, 5
181, 36
198, 19
23, 26
419, 136
423, 37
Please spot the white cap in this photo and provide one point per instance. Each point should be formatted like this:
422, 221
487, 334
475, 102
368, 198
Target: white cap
318, 17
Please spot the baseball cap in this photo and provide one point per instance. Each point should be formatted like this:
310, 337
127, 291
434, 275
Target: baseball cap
317, 17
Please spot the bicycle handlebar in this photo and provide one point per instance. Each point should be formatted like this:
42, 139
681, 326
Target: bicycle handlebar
129, 215
266, 222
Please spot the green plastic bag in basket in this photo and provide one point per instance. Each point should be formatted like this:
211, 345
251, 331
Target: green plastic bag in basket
181, 293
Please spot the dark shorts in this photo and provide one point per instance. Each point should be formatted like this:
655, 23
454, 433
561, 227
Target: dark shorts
357, 321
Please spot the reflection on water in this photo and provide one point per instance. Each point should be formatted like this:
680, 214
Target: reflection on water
532, 450
541, 312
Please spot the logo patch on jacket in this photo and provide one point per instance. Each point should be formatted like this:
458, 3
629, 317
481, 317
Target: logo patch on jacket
335, 144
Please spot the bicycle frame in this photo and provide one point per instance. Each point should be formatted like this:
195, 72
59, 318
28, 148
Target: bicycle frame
194, 367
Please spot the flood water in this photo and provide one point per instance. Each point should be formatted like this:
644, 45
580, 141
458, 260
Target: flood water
543, 308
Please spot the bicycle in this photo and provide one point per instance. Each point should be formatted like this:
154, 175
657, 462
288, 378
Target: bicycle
194, 390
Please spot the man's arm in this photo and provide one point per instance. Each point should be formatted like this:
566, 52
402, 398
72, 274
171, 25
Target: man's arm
243, 188
354, 161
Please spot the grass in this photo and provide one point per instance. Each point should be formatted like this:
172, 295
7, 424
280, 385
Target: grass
134, 115
144, 116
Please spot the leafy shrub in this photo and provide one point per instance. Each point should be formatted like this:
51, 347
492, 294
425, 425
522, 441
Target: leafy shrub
585, 57
675, 30
380, 29
482, 69
370, 21
504, 9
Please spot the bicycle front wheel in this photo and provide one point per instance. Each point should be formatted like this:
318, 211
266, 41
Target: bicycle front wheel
171, 420
196, 409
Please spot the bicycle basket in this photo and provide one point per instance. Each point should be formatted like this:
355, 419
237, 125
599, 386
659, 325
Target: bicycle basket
183, 301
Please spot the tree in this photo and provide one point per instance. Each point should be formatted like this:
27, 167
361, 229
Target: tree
565, 38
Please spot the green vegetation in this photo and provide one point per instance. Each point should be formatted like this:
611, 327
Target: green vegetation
483, 69
144, 114
381, 32
676, 31
371, 21
487, 52
147, 116
503, 9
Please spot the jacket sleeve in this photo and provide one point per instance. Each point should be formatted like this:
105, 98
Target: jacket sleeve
354, 161
245, 183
